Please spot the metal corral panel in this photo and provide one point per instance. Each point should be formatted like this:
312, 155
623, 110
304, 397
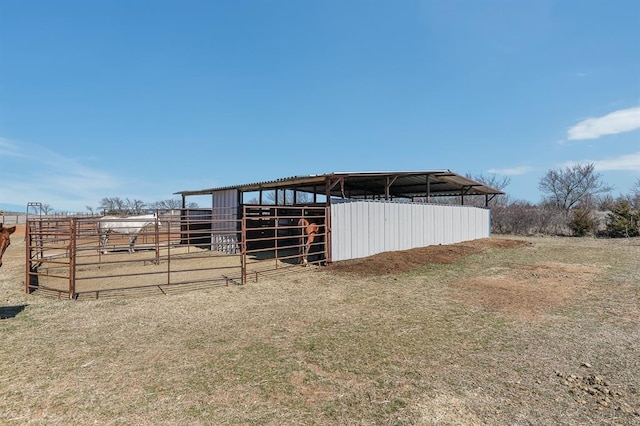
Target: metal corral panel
364, 228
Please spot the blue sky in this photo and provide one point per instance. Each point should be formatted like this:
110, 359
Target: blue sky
140, 99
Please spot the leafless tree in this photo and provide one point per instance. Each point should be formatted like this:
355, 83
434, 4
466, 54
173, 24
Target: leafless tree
112, 205
568, 187
135, 206
634, 196
172, 204
496, 182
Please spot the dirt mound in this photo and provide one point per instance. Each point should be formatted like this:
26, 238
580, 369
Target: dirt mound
407, 260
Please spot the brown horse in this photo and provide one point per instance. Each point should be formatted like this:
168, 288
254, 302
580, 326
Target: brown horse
5, 238
309, 232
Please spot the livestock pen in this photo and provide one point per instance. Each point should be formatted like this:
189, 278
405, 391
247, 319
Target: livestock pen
66, 256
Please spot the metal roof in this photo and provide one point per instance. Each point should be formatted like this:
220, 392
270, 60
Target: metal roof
402, 184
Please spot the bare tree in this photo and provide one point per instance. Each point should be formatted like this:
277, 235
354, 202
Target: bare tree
634, 197
46, 209
169, 204
573, 185
111, 204
135, 206
496, 182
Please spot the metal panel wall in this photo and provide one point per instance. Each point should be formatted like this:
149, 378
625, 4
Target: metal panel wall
364, 228
224, 237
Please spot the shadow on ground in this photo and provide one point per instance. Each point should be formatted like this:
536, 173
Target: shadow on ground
7, 312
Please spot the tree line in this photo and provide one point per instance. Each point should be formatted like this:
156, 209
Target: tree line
117, 205
575, 201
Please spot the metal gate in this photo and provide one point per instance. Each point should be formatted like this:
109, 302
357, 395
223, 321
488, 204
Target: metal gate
274, 234
66, 256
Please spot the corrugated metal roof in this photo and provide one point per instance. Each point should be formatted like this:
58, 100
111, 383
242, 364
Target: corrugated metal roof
403, 184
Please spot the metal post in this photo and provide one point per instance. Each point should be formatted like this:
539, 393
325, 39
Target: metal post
243, 247
72, 259
27, 280
327, 234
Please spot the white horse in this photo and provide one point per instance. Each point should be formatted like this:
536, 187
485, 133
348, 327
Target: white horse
131, 226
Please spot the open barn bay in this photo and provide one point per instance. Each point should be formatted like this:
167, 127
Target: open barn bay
496, 331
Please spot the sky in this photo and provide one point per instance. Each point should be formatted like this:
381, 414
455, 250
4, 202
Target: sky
141, 99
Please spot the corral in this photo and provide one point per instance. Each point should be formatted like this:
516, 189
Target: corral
354, 214
66, 256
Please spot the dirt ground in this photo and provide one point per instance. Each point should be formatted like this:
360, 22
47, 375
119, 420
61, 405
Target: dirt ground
407, 260
507, 290
525, 292
538, 330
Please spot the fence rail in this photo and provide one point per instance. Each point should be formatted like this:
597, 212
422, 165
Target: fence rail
68, 256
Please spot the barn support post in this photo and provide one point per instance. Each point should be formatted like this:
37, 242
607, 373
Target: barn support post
387, 188
488, 199
332, 184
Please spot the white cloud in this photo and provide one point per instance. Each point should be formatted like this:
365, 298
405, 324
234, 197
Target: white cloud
70, 184
620, 163
624, 120
64, 183
10, 149
513, 171
624, 162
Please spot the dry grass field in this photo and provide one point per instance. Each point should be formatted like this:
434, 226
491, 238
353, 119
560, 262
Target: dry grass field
498, 331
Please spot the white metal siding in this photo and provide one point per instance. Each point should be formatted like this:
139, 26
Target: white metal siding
364, 228
226, 199
225, 215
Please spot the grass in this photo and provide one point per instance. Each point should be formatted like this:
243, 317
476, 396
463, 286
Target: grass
442, 344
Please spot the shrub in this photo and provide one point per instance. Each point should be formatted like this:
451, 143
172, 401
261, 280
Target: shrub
581, 222
623, 220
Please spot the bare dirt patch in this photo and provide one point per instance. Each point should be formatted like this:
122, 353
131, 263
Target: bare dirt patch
407, 260
526, 292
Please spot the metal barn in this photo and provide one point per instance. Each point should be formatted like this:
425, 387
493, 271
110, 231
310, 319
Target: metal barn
255, 229
365, 212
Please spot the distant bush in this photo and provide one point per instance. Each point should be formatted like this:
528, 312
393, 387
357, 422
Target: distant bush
623, 220
521, 218
582, 222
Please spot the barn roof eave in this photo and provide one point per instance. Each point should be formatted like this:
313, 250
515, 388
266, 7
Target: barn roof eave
400, 184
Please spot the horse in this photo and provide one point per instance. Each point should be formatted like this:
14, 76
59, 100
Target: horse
131, 226
310, 232
5, 238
